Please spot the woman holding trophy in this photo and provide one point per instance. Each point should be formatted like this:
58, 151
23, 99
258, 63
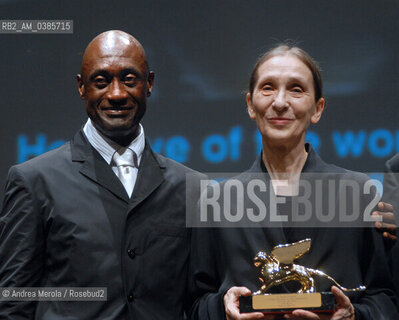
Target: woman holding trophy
285, 96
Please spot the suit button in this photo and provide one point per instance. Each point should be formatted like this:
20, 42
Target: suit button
131, 253
130, 298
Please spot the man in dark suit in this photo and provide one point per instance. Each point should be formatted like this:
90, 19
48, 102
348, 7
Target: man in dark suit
103, 210
391, 195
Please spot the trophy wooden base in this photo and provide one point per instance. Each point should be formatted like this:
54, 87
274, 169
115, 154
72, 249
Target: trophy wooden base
318, 302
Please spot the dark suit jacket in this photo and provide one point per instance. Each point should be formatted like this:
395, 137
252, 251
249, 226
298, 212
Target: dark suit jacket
68, 222
223, 257
391, 182
391, 195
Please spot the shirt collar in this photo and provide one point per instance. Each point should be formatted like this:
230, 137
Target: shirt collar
106, 147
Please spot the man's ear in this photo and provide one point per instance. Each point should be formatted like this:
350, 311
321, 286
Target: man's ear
319, 110
150, 82
250, 108
81, 87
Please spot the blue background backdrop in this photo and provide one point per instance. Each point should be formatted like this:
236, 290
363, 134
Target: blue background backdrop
202, 53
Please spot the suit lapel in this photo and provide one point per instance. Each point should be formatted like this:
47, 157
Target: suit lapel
95, 168
149, 177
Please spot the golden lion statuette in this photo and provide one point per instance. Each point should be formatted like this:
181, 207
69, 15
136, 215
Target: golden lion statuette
278, 268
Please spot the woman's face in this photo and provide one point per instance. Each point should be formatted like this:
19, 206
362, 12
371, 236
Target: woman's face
283, 101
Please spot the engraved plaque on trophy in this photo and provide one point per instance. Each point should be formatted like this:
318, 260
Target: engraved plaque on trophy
278, 268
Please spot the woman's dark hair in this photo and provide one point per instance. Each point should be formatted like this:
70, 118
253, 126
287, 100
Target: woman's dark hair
284, 49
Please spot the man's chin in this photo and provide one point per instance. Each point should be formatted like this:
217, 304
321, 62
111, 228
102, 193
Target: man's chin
121, 133
117, 130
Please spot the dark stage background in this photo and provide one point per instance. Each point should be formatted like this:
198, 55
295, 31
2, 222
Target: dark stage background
202, 53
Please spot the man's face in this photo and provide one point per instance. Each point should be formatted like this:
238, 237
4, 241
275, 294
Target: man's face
115, 84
